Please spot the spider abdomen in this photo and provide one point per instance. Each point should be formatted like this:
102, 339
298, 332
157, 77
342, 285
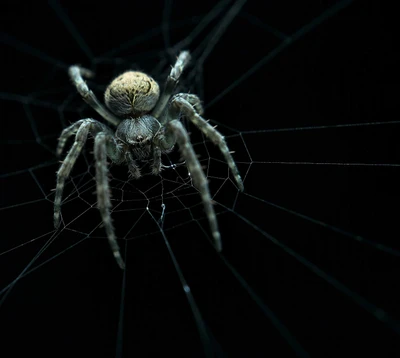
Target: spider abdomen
132, 94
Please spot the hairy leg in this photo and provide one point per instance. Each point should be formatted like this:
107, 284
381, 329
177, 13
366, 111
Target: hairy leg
176, 132
172, 80
81, 128
67, 165
103, 193
181, 104
76, 73
73, 128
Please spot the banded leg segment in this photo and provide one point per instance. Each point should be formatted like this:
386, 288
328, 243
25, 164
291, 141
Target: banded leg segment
187, 108
76, 73
156, 164
176, 131
103, 193
68, 163
73, 128
81, 128
172, 80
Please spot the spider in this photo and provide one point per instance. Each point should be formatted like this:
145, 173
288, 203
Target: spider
147, 125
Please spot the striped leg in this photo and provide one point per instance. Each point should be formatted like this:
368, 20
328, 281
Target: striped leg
156, 164
69, 161
81, 128
72, 129
176, 71
103, 192
189, 110
175, 130
76, 74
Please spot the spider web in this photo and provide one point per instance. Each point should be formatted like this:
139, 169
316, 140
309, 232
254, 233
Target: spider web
311, 258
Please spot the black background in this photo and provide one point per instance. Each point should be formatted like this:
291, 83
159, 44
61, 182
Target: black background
340, 72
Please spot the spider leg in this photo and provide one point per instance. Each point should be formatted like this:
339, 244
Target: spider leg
175, 131
172, 80
76, 73
183, 105
82, 128
68, 163
71, 130
103, 192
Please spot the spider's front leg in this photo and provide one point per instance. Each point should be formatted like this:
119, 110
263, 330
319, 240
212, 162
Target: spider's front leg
175, 132
101, 141
82, 129
105, 145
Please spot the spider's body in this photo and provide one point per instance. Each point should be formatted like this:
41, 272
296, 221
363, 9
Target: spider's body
147, 126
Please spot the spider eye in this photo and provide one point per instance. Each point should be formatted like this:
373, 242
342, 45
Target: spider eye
132, 94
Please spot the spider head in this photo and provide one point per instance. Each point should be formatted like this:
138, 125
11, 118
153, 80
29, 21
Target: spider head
132, 94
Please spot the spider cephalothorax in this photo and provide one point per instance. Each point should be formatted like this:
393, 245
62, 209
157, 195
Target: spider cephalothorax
148, 125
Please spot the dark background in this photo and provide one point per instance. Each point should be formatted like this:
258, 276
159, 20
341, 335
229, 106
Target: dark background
340, 72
